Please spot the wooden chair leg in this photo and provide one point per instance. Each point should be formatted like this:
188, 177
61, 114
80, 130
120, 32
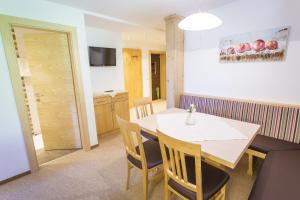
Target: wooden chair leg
167, 194
221, 195
128, 175
145, 185
224, 193
250, 164
167, 191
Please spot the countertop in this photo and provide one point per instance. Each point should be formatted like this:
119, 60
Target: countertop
110, 93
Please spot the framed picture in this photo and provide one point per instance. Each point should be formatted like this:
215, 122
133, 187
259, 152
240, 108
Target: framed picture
268, 45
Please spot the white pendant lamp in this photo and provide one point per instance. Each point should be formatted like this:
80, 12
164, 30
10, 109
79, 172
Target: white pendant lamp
199, 21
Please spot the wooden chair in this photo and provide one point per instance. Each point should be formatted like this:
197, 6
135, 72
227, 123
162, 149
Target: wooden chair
186, 175
145, 156
141, 107
144, 108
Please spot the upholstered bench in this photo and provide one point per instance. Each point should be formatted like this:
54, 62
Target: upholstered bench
277, 141
280, 122
265, 144
262, 145
279, 177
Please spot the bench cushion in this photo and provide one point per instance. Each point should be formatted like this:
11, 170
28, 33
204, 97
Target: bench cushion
265, 144
279, 177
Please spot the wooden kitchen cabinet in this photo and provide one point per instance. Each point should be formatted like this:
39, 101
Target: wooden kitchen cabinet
106, 110
121, 107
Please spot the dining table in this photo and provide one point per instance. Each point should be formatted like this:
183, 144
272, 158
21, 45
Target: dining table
223, 141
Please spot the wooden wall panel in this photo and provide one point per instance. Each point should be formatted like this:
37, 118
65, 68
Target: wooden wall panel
174, 60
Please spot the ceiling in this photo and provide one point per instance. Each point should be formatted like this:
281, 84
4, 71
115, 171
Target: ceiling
144, 13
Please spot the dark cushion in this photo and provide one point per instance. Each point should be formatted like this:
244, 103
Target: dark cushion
152, 153
149, 136
279, 177
265, 144
213, 179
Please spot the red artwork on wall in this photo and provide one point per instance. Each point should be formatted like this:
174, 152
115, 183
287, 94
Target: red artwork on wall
268, 45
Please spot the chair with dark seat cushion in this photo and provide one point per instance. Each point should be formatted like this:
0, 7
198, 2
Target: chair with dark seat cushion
145, 156
265, 144
186, 175
213, 179
143, 107
152, 153
279, 177
149, 136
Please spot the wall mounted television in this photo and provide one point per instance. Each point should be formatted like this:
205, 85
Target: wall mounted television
102, 57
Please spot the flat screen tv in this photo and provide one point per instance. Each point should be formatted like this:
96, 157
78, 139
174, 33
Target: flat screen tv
102, 57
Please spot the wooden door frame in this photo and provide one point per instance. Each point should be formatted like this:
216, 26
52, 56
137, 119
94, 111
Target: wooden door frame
6, 24
142, 84
150, 66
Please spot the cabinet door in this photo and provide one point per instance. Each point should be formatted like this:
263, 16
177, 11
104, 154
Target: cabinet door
121, 108
104, 118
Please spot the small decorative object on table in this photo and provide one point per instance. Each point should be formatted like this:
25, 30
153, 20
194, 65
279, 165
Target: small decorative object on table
190, 119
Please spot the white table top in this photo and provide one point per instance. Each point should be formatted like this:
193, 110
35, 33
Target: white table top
224, 150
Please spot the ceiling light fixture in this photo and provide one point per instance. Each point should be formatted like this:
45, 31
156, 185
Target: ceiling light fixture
200, 21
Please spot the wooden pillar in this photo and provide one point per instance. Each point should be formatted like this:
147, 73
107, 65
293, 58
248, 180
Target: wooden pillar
174, 60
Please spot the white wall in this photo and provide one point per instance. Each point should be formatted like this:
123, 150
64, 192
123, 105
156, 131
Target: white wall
106, 78
112, 78
264, 81
11, 140
145, 47
13, 157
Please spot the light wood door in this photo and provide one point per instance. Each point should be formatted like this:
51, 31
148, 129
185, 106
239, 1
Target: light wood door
104, 118
132, 62
163, 83
52, 80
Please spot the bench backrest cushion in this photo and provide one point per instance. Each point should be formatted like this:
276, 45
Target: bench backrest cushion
277, 121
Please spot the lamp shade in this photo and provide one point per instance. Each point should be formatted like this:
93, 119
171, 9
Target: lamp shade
199, 21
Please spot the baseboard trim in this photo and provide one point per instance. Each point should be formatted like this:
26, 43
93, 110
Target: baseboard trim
94, 146
14, 177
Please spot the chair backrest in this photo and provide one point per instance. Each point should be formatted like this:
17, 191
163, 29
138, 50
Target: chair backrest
132, 137
141, 107
174, 153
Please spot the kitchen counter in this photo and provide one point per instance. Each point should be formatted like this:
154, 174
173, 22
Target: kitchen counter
110, 93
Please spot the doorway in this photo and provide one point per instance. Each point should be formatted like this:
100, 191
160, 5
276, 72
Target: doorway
158, 75
45, 67
132, 61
